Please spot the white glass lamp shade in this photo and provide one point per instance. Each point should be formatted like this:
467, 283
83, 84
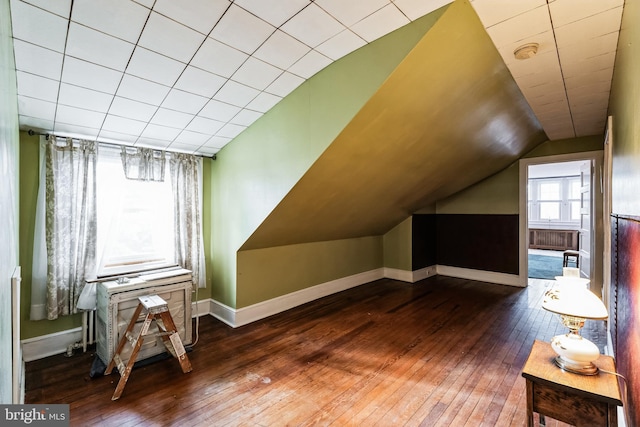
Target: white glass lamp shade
574, 304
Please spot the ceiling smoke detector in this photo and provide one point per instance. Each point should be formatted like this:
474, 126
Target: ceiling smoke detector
526, 51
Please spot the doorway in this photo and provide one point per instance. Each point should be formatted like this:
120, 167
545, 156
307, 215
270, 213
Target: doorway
559, 200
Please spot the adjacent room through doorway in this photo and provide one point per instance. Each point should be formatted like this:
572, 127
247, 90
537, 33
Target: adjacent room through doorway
559, 218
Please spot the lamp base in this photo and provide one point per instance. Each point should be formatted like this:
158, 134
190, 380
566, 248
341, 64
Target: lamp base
576, 367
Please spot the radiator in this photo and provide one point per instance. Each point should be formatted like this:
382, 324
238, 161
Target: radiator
16, 354
560, 240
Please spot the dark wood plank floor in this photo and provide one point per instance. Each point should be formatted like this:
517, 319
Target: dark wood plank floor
441, 352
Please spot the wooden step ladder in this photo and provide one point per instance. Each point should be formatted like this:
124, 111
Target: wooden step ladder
156, 309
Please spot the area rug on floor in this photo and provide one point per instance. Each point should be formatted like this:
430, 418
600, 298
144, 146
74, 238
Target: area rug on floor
545, 267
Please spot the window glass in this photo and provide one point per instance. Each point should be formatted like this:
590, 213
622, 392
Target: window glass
550, 191
549, 210
135, 220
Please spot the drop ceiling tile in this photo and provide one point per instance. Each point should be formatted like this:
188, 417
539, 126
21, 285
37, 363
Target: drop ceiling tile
162, 35
37, 87
78, 116
492, 12
341, 44
597, 98
246, 117
348, 13
216, 142
415, 9
218, 58
275, 12
192, 138
155, 67
309, 64
91, 76
568, 11
123, 125
158, 144
36, 108
36, 124
98, 48
171, 118
119, 18
130, 109
521, 28
59, 7
236, 94
146, 3
38, 26
380, 23
588, 48
30, 58
204, 125
179, 147
158, 132
199, 82
575, 33
312, 26
242, 30
589, 65
200, 15
281, 50
256, 74
263, 102
185, 102
581, 80
142, 90
285, 84
88, 99
207, 152
230, 130
219, 111
117, 137
75, 131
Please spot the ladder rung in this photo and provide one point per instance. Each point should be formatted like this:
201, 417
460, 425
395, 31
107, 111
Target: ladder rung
119, 363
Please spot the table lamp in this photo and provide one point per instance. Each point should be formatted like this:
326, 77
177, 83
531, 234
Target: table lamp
574, 304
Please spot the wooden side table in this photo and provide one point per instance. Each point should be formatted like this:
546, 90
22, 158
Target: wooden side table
580, 400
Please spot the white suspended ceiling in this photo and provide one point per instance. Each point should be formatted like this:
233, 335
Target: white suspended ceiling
191, 75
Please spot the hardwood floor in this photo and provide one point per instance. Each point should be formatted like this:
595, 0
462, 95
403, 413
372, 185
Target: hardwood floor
440, 352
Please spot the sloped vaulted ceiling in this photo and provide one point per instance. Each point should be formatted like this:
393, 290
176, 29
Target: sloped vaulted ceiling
449, 116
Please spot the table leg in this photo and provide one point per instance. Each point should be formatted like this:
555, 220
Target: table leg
529, 403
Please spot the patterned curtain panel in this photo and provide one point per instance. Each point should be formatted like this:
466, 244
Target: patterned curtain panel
143, 164
70, 222
186, 177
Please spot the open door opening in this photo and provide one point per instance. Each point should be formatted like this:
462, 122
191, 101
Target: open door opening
559, 218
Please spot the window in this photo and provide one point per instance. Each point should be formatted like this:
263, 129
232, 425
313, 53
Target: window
135, 220
554, 200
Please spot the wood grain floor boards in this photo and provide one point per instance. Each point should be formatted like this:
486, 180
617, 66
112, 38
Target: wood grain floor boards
440, 352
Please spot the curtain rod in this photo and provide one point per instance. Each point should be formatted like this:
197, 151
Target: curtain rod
31, 132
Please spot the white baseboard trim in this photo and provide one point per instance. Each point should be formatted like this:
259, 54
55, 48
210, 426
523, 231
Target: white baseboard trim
409, 276
261, 310
49, 345
482, 276
56, 343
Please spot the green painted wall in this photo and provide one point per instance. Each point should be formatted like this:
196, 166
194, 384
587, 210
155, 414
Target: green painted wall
280, 270
253, 173
397, 245
9, 259
625, 109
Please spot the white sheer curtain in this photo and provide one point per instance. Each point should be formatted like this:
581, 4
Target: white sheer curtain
65, 234
186, 181
143, 164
